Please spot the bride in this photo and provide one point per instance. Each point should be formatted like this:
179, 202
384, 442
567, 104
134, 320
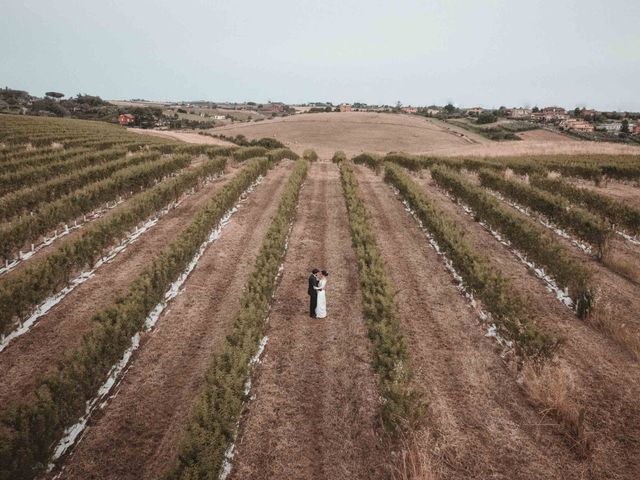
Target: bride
321, 308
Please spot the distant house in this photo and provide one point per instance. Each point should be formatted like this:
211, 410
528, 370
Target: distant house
520, 113
219, 117
576, 125
636, 129
553, 114
125, 118
410, 109
610, 127
433, 111
271, 107
474, 112
345, 107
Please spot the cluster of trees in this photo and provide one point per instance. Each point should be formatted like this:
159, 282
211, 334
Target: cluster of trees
310, 155
241, 140
217, 410
82, 106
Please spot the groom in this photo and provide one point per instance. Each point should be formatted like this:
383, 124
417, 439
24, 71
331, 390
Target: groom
313, 293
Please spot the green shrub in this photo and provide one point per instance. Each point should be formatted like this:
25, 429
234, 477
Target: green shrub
310, 155
371, 160
339, 156
245, 153
282, 153
486, 117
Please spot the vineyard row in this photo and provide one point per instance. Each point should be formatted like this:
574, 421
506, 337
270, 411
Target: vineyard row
32, 428
28, 228
508, 309
213, 423
22, 291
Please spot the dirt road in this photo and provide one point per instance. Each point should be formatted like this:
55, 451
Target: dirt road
138, 434
316, 401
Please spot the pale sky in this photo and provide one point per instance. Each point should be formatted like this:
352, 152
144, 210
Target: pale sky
470, 52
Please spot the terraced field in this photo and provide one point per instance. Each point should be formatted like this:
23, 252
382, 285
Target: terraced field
483, 312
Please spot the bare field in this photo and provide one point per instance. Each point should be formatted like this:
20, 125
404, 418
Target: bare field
357, 132
353, 133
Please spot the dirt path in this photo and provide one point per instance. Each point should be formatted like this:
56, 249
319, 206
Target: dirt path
188, 137
316, 399
601, 377
484, 425
62, 328
140, 431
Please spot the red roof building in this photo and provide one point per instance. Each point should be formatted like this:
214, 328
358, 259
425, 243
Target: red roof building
125, 118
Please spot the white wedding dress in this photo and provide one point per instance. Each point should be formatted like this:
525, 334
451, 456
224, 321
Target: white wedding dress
321, 307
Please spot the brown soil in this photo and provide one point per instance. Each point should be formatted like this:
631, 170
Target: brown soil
604, 379
62, 328
316, 403
139, 432
483, 425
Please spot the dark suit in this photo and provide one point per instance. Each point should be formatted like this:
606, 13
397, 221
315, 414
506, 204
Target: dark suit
313, 294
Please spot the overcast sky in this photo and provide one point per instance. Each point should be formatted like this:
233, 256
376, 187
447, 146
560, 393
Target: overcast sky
469, 52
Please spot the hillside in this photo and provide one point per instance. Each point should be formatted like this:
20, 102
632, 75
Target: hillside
356, 132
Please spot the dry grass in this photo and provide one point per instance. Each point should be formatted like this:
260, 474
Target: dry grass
415, 459
606, 319
352, 133
541, 142
550, 387
621, 266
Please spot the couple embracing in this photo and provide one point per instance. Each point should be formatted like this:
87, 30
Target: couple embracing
317, 293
